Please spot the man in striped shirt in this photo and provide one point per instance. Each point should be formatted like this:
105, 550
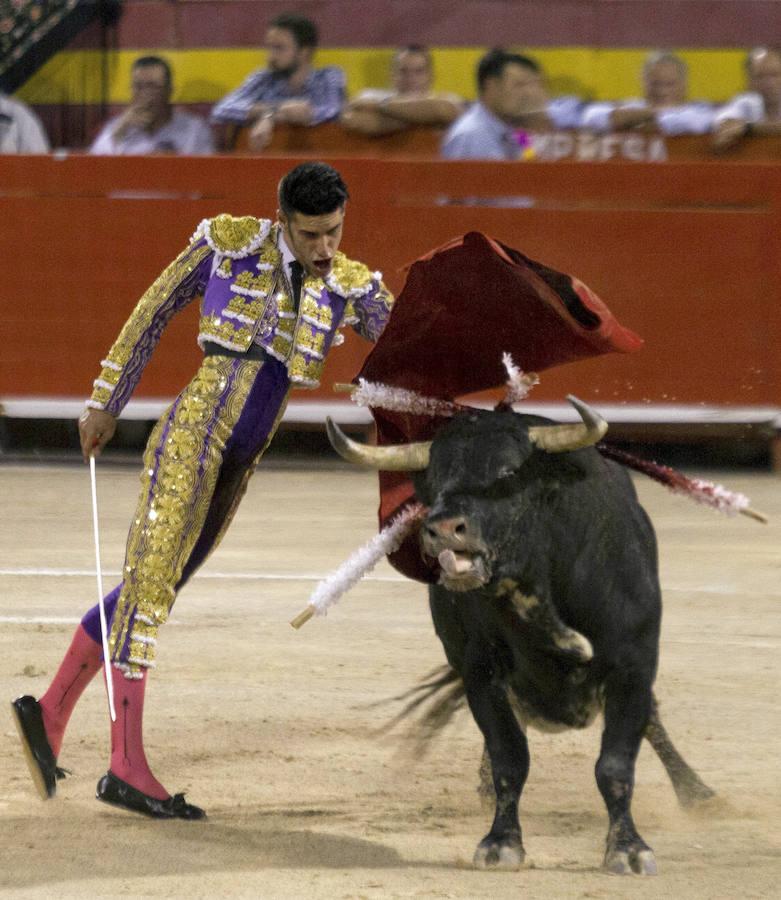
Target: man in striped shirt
289, 89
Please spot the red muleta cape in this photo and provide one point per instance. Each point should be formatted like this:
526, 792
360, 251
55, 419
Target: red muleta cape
464, 305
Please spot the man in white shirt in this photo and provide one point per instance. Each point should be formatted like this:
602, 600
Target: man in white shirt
663, 108
409, 102
758, 111
151, 125
20, 129
512, 99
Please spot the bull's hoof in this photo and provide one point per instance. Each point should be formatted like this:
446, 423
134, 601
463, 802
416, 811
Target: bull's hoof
638, 860
506, 853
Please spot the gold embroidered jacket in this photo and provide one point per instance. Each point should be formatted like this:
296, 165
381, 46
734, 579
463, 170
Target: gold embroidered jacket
235, 266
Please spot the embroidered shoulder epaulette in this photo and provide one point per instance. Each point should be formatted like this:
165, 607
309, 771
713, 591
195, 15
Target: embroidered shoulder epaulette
350, 278
233, 236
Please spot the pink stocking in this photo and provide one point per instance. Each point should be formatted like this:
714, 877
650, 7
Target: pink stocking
77, 669
128, 760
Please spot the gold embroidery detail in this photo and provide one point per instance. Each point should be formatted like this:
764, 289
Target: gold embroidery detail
323, 314
269, 254
251, 282
307, 338
228, 330
231, 234
284, 303
142, 316
225, 268
303, 371
177, 484
281, 344
248, 307
349, 275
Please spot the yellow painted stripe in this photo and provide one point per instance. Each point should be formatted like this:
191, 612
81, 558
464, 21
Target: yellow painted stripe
203, 76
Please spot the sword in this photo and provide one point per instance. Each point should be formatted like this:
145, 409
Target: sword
102, 608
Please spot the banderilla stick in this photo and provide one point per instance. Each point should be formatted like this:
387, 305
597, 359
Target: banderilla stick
303, 617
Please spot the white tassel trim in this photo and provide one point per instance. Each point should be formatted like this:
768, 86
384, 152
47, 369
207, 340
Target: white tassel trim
315, 322
249, 292
138, 661
309, 351
282, 357
518, 383
329, 591
107, 364
95, 404
204, 231
124, 668
383, 396
213, 339
101, 383
240, 317
142, 639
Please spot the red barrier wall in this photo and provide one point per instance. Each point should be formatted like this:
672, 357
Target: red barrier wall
350, 23
688, 255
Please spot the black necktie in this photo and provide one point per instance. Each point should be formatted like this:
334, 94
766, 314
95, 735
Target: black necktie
296, 280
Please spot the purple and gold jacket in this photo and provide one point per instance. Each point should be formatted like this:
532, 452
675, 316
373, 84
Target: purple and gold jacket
235, 266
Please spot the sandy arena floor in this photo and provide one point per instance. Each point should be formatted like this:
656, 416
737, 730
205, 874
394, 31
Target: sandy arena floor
271, 730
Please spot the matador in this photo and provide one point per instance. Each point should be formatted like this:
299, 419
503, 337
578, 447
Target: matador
273, 297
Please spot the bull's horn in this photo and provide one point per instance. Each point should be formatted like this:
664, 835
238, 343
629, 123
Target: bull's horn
561, 438
400, 458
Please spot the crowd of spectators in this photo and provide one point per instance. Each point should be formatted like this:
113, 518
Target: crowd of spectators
512, 102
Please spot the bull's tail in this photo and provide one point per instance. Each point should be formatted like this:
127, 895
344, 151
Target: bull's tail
443, 690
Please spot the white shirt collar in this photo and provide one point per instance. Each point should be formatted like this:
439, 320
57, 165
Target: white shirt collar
287, 254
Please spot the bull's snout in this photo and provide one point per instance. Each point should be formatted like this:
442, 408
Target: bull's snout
454, 542
452, 531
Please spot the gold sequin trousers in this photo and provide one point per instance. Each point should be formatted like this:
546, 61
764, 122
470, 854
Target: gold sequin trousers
197, 463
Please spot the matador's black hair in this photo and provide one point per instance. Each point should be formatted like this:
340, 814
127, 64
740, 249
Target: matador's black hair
313, 188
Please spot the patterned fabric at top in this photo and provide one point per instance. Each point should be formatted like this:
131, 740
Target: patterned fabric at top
324, 89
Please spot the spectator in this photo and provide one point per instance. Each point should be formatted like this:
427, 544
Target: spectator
151, 124
759, 110
411, 100
289, 90
664, 107
512, 96
20, 129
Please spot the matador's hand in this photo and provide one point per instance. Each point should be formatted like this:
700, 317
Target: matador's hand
96, 428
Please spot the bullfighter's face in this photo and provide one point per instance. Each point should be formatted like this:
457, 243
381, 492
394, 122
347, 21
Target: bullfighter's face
314, 240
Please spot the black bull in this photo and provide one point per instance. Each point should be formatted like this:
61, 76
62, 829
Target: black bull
548, 607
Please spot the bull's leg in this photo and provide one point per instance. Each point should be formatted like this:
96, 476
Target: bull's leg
689, 788
485, 788
627, 710
502, 847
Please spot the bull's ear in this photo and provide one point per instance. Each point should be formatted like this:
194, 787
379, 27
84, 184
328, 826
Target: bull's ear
563, 438
401, 458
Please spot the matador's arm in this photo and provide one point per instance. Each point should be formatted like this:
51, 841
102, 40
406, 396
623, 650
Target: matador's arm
183, 280
368, 313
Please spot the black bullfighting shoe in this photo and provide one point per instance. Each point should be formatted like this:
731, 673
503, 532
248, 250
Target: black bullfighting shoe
41, 761
119, 793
